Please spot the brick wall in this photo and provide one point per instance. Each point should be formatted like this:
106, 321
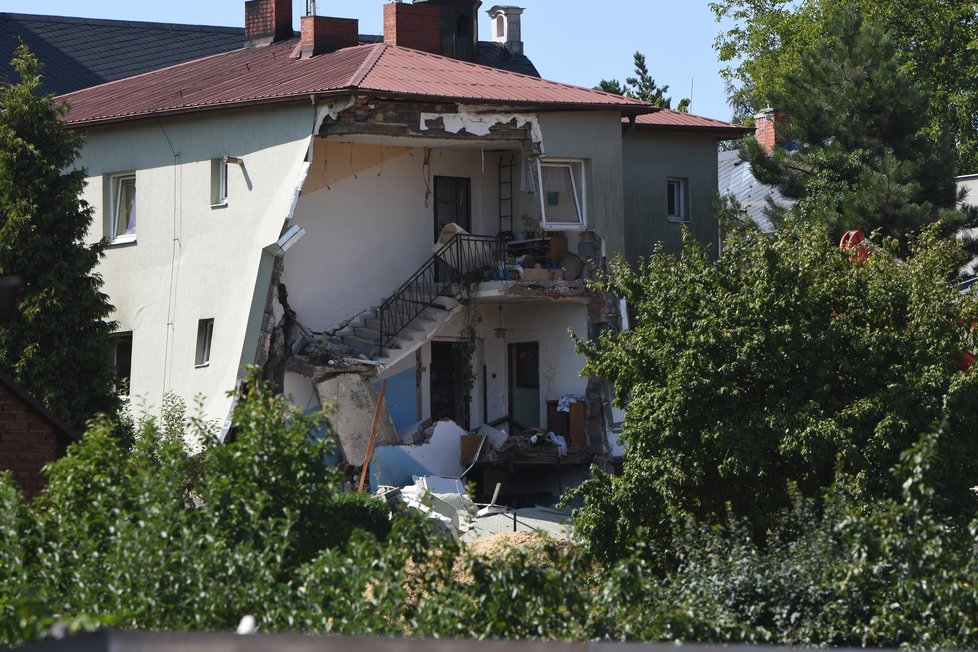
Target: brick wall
27, 442
267, 21
768, 129
325, 34
413, 26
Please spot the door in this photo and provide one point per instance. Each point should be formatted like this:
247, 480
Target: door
452, 203
524, 383
446, 377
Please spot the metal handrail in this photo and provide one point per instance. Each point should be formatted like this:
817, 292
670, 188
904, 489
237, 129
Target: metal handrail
465, 257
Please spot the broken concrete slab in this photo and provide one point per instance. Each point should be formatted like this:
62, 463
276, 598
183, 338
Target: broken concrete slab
355, 400
441, 455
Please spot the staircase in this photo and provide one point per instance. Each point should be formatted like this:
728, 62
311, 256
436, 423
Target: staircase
412, 314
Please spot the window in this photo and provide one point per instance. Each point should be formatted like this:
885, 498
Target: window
677, 209
205, 333
219, 182
563, 199
122, 209
122, 360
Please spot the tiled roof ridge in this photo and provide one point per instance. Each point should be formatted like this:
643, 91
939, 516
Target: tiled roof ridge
368, 63
615, 99
109, 22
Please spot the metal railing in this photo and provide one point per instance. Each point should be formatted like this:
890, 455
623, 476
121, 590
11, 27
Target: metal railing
466, 258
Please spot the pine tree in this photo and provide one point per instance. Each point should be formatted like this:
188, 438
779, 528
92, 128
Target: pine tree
642, 87
863, 159
57, 343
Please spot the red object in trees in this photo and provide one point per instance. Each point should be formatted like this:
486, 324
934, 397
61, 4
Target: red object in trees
965, 361
855, 243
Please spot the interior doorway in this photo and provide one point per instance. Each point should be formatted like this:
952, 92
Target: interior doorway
524, 383
446, 372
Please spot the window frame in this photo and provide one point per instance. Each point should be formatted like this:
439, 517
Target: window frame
677, 192
117, 338
578, 176
205, 339
219, 183
116, 184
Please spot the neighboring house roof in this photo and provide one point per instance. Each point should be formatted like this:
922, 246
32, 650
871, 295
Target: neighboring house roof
35, 406
83, 52
669, 120
274, 73
736, 178
495, 55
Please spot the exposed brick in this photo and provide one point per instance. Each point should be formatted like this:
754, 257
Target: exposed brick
267, 21
413, 26
326, 34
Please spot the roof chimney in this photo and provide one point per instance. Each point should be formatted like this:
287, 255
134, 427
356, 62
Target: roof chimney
267, 21
768, 125
506, 27
413, 26
325, 34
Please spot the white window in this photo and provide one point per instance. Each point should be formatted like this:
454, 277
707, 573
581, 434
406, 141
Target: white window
122, 209
205, 333
677, 199
563, 197
122, 359
219, 182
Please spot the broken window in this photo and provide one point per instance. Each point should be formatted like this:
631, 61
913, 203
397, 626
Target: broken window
562, 194
122, 209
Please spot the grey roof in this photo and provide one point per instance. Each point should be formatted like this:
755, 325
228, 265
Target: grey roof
83, 52
495, 55
736, 178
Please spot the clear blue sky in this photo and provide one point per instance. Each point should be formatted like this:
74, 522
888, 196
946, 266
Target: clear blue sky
573, 41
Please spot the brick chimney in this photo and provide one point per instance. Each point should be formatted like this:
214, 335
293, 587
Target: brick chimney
413, 26
267, 21
768, 129
322, 34
506, 27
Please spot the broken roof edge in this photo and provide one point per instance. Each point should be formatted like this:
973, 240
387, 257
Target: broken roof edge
315, 98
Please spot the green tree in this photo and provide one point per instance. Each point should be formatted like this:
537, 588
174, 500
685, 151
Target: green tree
641, 87
782, 362
767, 39
57, 344
863, 159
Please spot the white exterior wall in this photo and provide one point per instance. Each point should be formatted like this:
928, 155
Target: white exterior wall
368, 232
191, 261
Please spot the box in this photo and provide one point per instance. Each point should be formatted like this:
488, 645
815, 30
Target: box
469, 447
534, 274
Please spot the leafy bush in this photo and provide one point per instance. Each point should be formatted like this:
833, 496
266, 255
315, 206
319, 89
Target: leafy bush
782, 362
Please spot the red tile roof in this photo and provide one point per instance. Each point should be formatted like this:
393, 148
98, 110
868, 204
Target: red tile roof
669, 120
274, 74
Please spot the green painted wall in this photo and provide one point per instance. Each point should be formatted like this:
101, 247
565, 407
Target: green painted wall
650, 159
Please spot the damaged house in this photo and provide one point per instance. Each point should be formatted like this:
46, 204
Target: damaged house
389, 217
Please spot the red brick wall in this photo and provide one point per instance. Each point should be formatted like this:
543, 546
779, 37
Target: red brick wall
413, 26
325, 34
768, 129
267, 21
27, 443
